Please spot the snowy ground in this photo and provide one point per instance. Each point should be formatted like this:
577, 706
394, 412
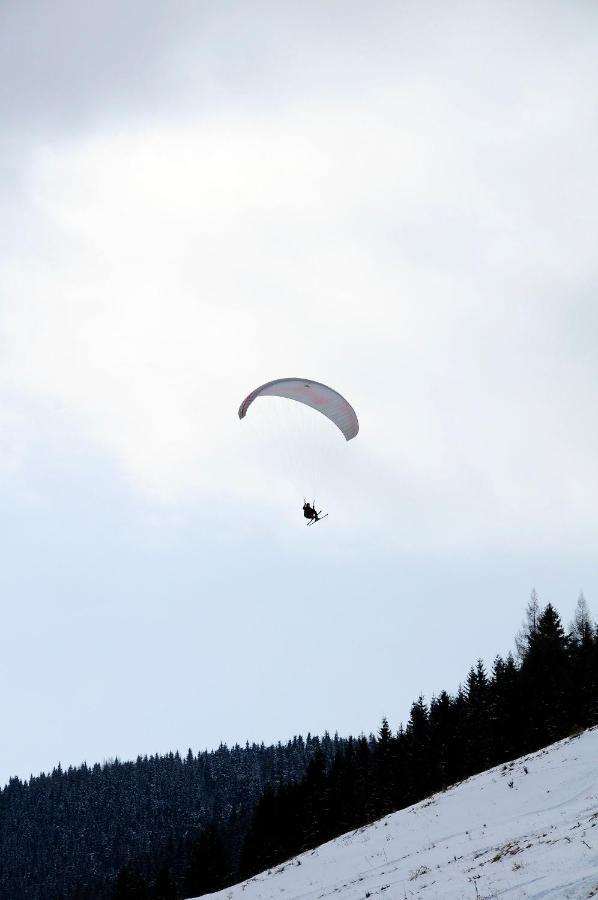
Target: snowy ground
527, 829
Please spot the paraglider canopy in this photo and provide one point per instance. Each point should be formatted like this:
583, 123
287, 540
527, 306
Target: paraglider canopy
312, 393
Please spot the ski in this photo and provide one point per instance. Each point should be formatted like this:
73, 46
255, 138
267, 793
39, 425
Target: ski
319, 519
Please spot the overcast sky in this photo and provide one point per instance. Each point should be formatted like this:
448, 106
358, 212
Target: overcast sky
399, 199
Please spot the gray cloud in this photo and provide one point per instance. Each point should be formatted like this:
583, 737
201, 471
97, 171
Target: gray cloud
68, 65
63, 65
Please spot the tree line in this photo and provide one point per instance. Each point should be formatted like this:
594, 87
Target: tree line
68, 833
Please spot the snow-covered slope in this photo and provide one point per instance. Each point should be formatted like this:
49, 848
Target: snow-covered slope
527, 829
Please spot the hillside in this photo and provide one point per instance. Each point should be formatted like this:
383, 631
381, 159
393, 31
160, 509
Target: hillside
525, 829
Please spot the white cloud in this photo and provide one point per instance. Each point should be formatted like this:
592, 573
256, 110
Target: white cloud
422, 245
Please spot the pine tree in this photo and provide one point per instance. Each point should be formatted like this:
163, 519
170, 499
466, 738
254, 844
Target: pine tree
384, 771
317, 806
581, 628
584, 687
529, 627
546, 681
477, 748
364, 788
442, 738
418, 751
506, 711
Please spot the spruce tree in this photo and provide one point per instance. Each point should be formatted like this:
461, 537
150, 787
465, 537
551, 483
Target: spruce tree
546, 681
506, 711
418, 751
477, 748
384, 770
442, 740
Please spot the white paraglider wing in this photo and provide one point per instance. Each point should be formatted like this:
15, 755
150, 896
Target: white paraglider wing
319, 396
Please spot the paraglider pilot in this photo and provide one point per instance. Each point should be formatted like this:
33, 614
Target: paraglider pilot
309, 512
